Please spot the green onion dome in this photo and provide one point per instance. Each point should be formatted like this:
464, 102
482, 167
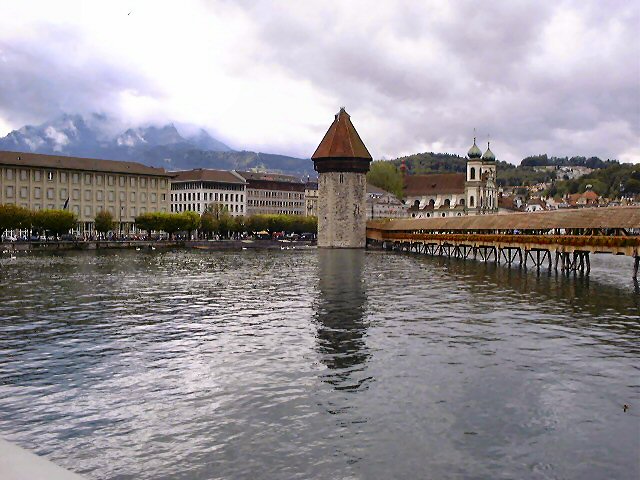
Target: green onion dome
474, 151
488, 155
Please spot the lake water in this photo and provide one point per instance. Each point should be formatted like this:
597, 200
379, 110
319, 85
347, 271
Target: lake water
319, 364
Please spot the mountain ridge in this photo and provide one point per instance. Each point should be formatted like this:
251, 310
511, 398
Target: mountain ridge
153, 145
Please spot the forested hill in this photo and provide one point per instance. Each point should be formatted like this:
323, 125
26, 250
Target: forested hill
614, 181
545, 160
508, 174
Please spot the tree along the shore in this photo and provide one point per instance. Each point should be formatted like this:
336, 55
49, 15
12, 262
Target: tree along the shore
53, 222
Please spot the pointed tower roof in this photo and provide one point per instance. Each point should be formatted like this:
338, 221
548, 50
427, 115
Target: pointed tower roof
341, 140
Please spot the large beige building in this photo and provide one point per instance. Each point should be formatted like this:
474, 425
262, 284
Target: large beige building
383, 204
311, 198
273, 193
85, 186
194, 190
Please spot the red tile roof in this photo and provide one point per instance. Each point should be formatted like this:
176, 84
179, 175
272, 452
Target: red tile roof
76, 163
341, 140
208, 175
434, 184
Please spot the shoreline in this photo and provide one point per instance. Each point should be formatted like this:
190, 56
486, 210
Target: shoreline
71, 245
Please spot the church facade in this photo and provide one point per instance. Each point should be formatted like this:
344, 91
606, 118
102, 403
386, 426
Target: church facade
455, 194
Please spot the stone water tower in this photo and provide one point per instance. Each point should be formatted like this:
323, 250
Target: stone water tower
342, 162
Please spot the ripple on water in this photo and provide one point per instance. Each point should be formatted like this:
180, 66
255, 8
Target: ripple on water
318, 364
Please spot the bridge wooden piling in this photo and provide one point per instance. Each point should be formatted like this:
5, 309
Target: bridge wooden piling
569, 236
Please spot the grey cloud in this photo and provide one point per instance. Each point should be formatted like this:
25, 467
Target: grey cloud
43, 78
481, 76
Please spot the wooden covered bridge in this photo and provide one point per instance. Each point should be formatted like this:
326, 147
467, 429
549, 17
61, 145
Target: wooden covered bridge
536, 237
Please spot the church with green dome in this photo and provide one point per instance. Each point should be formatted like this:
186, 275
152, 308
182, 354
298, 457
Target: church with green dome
455, 194
481, 189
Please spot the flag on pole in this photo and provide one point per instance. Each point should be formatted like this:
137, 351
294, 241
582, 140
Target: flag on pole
66, 204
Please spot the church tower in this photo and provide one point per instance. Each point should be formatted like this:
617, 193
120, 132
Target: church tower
342, 162
473, 185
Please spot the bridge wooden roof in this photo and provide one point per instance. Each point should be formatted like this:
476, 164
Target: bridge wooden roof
607, 217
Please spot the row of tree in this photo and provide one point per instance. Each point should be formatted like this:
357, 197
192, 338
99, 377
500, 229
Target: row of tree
53, 222
216, 220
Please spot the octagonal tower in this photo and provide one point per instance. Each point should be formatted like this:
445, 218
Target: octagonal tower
342, 162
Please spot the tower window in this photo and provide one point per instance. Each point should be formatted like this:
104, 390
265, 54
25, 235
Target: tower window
472, 173
471, 201
341, 178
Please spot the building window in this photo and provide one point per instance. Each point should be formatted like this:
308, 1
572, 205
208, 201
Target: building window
472, 173
99, 195
87, 179
111, 195
143, 197
133, 211
36, 192
341, 178
24, 175
63, 194
163, 197
110, 180
471, 201
75, 178
87, 211
9, 191
462, 202
87, 195
37, 175
9, 173
143, 184
50, 176
76, 194
63, 177
153, 183
132, 181
154, 197
132, 196
122, 181
98, 179
24, 192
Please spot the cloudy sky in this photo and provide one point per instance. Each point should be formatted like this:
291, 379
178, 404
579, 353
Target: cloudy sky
561, 77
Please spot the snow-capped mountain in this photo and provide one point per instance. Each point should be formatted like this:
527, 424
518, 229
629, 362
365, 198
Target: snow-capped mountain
160, 146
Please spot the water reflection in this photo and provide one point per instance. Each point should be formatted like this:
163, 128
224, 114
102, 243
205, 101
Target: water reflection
571, 301
339, 315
